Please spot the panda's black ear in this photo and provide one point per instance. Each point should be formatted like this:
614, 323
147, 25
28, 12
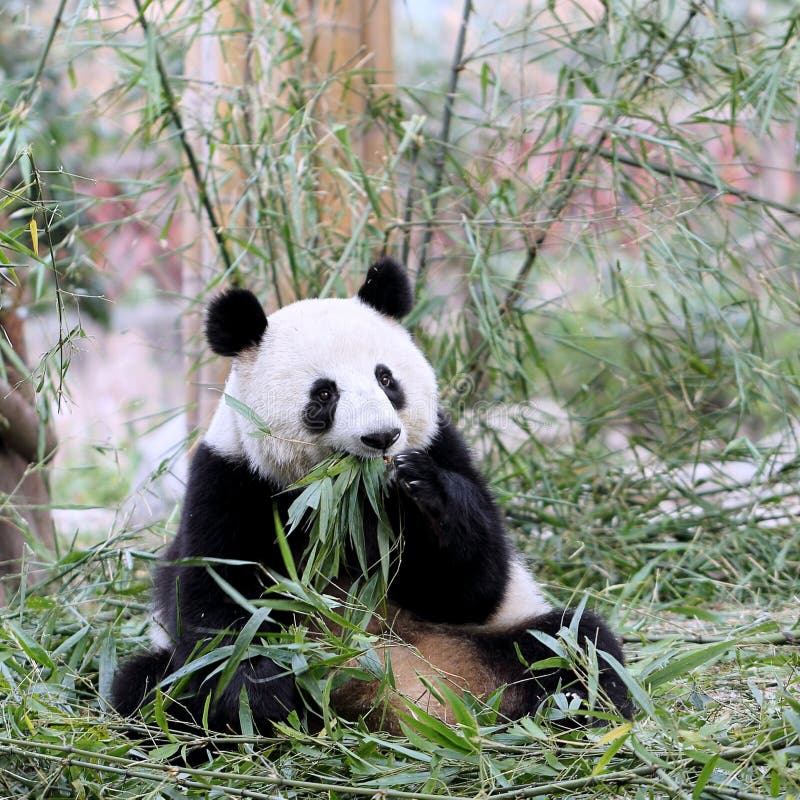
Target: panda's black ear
234, 322
387, 289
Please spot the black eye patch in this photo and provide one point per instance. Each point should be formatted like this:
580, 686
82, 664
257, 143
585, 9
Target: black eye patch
390, 386
321, 406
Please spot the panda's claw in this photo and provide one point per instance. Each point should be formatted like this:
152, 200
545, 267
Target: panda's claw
418, 476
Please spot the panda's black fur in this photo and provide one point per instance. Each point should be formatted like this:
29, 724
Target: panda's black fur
448, 592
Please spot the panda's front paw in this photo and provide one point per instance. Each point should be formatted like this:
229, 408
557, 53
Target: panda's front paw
417, 475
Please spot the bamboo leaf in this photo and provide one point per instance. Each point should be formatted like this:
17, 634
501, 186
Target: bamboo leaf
681, 666
616, 742
32, 649
240, 648
704, 776
34, 237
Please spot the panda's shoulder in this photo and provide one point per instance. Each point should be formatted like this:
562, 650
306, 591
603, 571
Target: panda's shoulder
214, 472
224, 496
448, 447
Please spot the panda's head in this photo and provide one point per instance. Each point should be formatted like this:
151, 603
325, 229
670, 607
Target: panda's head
323, 376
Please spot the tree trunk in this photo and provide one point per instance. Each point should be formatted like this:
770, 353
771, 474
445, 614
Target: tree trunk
25, 446
352, 40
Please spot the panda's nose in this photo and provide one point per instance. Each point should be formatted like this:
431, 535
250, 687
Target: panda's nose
382, 440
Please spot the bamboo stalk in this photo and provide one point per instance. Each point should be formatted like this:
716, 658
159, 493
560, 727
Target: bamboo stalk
719, 187
217, 64
579, 164
176, 117
154, 771
576, 169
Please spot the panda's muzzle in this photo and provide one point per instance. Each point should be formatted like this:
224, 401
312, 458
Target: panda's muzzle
381, 440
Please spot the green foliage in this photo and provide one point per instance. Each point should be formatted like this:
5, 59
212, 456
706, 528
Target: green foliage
728, 702
335, 496
598, 204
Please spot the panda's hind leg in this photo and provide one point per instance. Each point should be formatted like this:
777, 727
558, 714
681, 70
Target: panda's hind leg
525, 696
135, 681
271, 694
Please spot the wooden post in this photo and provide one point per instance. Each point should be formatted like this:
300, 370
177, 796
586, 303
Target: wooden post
342, 35
377, 37
347, 36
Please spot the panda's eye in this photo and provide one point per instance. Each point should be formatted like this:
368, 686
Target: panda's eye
323, 392
391, 386
320, 409
384, 377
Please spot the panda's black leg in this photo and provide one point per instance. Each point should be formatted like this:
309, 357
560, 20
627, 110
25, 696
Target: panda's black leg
134, 684
271, 695
545, 682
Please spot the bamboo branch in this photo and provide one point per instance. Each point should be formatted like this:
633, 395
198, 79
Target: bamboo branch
37, 74
734, 794
408, 211
193, 778
788, 638
579, 164
576, 169
46, 224
444, 140
720, 187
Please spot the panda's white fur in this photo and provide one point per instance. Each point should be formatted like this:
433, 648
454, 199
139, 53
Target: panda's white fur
523, 598
336, 338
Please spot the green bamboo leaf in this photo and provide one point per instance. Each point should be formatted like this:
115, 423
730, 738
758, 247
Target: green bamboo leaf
246, 724
32, 649
704, 776
617, 739
164, 752
367, 184
159, 712
639, 695
456, 704
261, 427
197, 664
231, 591
240, 647
681, 666
416, 723
283, 546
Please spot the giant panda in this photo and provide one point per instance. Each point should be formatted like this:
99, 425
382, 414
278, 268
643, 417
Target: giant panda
331, 376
